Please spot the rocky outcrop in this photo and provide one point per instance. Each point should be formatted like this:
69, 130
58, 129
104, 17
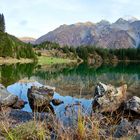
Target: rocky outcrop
121, 34
112, 103
40, 98
9, 100
108, 98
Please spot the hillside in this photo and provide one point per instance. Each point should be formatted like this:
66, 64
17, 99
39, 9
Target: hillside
124, 33
50, 49
90, 54
10, 46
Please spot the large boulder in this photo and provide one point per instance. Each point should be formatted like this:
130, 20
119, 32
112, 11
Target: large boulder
108, 98
40, 98
6, 98
9, 100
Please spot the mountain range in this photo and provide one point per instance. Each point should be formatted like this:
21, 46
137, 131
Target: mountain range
124, 33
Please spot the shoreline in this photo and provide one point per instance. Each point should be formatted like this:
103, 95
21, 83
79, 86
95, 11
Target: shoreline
133, 61
45, 60
10, 60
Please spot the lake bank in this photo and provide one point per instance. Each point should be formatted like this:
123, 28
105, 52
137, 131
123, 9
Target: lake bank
10, 60
18, 124
50, 60
42, 60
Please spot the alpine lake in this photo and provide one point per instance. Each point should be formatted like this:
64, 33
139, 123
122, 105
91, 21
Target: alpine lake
73, 83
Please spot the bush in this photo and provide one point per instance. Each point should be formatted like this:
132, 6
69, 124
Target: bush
39, 53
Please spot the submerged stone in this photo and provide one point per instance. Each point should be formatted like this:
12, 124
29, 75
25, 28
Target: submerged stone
56, 102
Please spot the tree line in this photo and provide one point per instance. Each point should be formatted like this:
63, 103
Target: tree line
84, 52
120, 54
2, 23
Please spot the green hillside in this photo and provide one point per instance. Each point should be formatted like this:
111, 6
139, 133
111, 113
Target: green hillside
10, 46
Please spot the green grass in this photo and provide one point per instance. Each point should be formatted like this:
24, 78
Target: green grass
43, 60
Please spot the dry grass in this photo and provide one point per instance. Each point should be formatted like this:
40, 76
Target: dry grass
92, 127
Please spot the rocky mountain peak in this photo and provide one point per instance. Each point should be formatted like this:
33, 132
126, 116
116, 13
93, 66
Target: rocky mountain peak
122, 34
121, 21
103, 22
130, 18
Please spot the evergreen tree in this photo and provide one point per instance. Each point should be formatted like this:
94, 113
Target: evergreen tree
7, 49
2, 23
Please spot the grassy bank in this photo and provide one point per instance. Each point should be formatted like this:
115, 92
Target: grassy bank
43, 60
83, 128
10, 60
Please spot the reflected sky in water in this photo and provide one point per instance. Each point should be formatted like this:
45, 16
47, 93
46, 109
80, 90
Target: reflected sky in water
63, 111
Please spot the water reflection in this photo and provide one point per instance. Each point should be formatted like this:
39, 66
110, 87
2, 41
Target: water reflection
9, 74
76, 80
81, 80
65, 111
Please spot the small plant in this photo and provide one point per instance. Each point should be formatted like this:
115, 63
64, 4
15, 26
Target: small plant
29, 130
80, 126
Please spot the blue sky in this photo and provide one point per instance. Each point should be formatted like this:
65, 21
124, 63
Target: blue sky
37, 17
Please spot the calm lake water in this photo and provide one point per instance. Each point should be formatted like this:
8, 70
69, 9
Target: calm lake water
74, 83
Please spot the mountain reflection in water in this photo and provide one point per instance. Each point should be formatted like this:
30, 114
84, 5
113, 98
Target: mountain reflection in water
76, 81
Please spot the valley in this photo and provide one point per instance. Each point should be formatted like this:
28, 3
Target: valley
79, 81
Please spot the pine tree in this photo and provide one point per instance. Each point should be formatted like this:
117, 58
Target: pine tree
7, 47
2, 23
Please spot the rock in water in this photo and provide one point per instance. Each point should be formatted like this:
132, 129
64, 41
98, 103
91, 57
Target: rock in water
107, 98
133, 104
40, 98
57, 102
7, 99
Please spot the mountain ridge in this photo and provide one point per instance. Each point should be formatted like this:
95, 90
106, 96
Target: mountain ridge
124, 33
